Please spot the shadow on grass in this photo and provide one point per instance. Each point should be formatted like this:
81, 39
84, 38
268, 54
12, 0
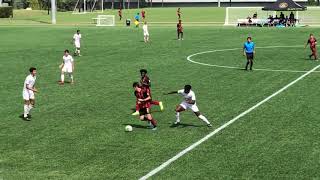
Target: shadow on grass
137, 126
183, 125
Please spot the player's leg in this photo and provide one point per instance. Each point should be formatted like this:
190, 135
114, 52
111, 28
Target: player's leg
137, 110
71, 77
181, 35
251, 63
157, 103
62, 76
179, 108
78, 50
200, 116
26, 110
148, 38
178, 33
31, 105
152, 120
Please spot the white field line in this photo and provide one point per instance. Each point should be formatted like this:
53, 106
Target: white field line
194, 145
233, 67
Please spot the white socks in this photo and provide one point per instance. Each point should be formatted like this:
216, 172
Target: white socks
178, 116
71, 77
27, 109
204, 119
62, 77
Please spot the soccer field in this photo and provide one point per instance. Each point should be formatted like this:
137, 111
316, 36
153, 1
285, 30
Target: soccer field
77, 131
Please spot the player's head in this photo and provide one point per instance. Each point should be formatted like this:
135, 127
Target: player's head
249, 39
33, 71
136, 86
187, 88
78, 31
179, 21
66, 52
145, 22
143, 72
311, 35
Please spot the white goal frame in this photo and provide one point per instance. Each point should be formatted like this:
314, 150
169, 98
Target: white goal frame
100, 18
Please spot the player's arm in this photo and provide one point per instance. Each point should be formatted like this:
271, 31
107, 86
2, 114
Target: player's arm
145, 99
244, 51
172, 92
72, 65
307, 44
31, 89
61, 65
190, 101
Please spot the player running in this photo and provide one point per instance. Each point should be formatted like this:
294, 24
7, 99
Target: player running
146, 84
188, 103
143, 100
180, 30
312, 41
67, 66
179, 13
120, 13
76, 40
143, 14
28, 93
145, 32
248, 51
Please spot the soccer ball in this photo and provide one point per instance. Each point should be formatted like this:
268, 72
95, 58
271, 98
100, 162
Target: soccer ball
128, 128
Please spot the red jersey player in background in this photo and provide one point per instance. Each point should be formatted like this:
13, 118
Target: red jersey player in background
143, 101
180, 30
143, 14
145, 84
313, 46
179, 13
120, 13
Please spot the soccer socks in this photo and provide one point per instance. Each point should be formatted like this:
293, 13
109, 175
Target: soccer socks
177, 117
26, 109
29, 108
204, 119
251, 65
62, 77
153, 122
71, 77
155, 102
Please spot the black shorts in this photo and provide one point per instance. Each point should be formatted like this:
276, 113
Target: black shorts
144, 111
249, 56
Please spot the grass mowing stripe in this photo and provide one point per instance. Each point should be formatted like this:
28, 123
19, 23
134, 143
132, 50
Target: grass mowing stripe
194, 145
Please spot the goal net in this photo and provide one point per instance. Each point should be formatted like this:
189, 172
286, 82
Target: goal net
309, 17
233, 14
105, 20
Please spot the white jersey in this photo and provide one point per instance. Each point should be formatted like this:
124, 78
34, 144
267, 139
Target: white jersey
67, 60
145, 29
30, 82
188, 96
77, 38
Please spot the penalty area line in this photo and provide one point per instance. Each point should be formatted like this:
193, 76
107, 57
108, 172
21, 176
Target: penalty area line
194, 145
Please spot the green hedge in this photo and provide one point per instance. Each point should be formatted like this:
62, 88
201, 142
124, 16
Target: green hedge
6, 12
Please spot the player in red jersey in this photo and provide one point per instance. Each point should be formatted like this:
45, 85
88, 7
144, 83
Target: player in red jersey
143, 14
146, 83
120, 13
180, 30
179, 13
143, 100
313, 46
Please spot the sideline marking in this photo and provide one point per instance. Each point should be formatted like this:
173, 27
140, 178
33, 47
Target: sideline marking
233, 67
194, 145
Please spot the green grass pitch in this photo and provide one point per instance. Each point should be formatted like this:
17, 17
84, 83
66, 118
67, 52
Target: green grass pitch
77, 131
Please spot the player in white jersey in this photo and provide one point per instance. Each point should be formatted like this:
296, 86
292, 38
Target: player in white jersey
76, 41
189, 102
145, 32
28, 93
67, 66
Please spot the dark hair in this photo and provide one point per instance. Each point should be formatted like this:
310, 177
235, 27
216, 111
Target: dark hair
143, 71
311, 34
135, 84
66, 51
32, 69
187, 87
249, 37
78, 30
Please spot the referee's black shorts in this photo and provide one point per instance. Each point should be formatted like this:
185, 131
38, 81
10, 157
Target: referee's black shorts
249, 56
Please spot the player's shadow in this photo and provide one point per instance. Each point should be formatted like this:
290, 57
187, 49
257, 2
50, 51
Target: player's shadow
137, 126
183, 125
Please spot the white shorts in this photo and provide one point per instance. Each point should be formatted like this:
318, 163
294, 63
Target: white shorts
77, 44
186, 106
146, 34
27, 95
67, 69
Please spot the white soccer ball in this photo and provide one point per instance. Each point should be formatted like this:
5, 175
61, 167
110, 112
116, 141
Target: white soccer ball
128, 128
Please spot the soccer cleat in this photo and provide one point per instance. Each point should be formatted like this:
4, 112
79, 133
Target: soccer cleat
135, 113
176, 123
26, 119
209, 125
154, 128
29, 116
161, 105
61, 83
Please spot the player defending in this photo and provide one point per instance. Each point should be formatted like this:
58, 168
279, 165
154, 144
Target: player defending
67, 66
145, 84
143, 100
145, 32
248, 51
180, 30
313, 46
188, 103
28, 93
76, 41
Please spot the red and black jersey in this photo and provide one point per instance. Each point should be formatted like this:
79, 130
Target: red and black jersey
179, 27
120, 12
143, 94
312, 42
143, 13
145, 81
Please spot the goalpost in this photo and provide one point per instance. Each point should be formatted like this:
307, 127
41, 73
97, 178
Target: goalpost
105, 20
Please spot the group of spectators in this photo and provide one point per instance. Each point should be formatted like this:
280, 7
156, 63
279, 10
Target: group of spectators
282, 20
